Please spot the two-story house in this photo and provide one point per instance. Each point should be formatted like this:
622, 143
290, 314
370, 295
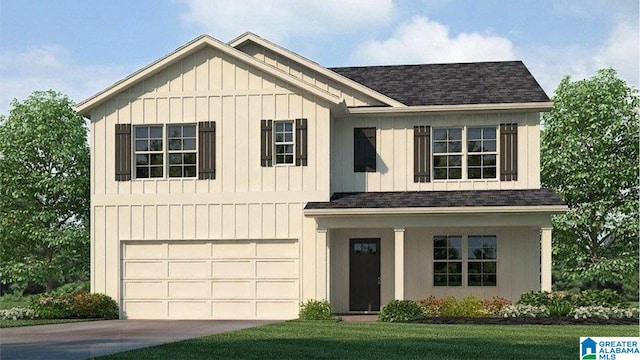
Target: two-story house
233, 181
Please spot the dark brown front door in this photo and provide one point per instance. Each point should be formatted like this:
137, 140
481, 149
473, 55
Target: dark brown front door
364, 275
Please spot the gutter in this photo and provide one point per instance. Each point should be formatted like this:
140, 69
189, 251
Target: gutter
548, 209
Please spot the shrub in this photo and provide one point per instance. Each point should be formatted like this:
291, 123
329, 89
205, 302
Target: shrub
315, 310
524, 310
603, 312
18, 313
81, 304
401, 310
606, 298
469, 306
71, 288
535, 298
560, 307
430, 306
494, 305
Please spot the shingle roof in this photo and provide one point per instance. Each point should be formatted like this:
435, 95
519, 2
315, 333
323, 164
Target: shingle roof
451, 84
463, 198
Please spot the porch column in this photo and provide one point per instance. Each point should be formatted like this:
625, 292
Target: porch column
322, 264
545, 261
399, 263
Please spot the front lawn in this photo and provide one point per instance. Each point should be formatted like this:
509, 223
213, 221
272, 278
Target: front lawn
330, 340
25, 322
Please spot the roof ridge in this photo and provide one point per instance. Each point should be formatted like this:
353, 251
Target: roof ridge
429, 64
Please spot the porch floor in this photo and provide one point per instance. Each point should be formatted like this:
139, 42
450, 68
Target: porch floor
358, 318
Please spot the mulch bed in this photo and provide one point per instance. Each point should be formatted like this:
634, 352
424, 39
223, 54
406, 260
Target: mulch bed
527, 321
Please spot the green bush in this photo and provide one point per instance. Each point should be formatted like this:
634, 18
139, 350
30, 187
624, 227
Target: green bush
401, 310
560, 307
80, 305
535, 298
606, 297
469, 306
72, 288
315, 310
494, 305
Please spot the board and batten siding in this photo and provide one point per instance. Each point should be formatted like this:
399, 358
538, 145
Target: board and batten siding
244, 201
394, 147
291, 67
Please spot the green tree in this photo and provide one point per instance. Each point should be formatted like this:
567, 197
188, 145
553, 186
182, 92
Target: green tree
590, 156
44, 192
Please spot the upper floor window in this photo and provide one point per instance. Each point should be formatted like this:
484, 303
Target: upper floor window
364, 149
447, 153
149, 152
284, 144
481, 152
182, 150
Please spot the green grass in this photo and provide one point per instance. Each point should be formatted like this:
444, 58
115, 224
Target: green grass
16, 323
330, 340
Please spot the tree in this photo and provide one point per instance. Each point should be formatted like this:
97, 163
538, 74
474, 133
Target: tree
44, 192
590, 156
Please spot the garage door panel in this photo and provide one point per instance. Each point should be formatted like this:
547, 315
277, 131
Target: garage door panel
276, 289
186, 290
145, 289
211, 279
145, 270
189, 250
233, 269
189, 310
233, 289
277, 269
189, 270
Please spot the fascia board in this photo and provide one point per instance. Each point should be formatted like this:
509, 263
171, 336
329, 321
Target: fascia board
549, 209
85, 106
464, 108
315, 67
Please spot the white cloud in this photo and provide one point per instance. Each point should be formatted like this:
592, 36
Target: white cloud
50, 67
424, 41
619, 51
276, 20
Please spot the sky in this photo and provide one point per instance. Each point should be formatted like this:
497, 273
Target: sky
80, 47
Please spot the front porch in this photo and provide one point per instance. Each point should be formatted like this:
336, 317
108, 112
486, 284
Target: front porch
422, 252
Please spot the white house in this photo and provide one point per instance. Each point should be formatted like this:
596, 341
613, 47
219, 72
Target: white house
233, 181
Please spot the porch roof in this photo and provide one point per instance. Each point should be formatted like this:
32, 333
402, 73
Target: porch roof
462, 199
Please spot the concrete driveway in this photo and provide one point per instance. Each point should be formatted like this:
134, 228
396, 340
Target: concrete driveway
95, 338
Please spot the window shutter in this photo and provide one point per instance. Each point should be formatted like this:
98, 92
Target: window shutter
508, 152
421, 154
266, 143
364, 149
301, 142
207, 150
123, 152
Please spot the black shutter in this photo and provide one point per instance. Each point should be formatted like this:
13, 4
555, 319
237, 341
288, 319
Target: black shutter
266, 143
508, 152
207, 150
123, 152
421, 153
301, 142
364, 149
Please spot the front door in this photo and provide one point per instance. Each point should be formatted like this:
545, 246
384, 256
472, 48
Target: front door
364, 275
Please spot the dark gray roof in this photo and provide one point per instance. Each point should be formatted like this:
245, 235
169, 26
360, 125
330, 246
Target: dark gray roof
450, 84
463, 198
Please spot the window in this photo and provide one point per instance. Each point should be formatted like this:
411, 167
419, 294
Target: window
149, 152
284, 142
481, 153
447, 153
482, 264
364, 149
447, 260
182, 150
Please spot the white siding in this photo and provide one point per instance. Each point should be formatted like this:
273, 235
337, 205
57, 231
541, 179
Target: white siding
394, 146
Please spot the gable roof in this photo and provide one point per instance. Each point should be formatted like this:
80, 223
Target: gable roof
337, 77
85, 106
503, 82
440, 199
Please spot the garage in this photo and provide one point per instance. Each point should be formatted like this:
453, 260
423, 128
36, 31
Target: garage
235, 279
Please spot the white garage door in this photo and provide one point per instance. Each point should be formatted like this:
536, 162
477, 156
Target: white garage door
210, 279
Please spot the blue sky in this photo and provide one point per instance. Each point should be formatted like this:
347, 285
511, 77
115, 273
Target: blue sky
81, 47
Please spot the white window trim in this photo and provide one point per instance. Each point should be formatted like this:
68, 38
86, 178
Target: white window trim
461, 153
465, 261
165, 153
292, 142
496, 152
465, 177
169, 152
